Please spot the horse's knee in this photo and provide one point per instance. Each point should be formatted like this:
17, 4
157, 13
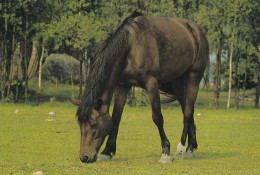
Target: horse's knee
188, 113
188, 119
158, 120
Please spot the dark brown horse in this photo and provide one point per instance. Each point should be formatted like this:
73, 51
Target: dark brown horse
167, 54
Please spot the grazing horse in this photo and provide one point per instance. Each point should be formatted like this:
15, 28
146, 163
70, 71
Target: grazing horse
156, 54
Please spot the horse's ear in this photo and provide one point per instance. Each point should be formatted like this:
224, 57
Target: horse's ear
75, 101
97, 105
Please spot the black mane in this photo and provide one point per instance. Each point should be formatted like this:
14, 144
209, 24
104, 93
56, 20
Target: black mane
113, 49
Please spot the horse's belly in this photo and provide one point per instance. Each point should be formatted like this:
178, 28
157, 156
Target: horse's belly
172, 69
167, 72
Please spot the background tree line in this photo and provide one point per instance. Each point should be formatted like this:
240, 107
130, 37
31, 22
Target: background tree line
29, 28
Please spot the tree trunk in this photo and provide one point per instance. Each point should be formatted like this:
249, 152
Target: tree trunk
72, 87
5, 69
230, 65
237, 79
25, 57
217, 72
245, 76
207, 85
33, 64
40, 69
230, 75
80, 76
16, 75
2, 68
237, 83
18, 65
17, 92
258, 85
2, 91
71, 79
3, 72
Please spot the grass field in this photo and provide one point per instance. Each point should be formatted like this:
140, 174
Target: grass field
31, 140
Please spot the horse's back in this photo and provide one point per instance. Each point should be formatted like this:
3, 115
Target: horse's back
164, 47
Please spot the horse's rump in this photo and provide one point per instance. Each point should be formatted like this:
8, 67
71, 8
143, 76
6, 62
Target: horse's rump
164, 48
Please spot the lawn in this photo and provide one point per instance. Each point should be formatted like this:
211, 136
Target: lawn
31, 140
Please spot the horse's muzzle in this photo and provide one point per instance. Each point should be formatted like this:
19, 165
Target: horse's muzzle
86, 159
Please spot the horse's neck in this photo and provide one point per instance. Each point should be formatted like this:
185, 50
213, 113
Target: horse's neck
109, 89
106, 99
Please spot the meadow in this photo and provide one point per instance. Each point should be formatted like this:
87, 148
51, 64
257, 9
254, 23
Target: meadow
31, 140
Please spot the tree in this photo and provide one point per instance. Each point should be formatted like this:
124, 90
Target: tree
3, 75
233, 15
212, 17
241, 12
78, 27
258, 84
10, 34
18, 18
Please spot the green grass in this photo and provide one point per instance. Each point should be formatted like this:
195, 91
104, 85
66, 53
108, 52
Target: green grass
60, 91
229, 142
65, 91
206, 99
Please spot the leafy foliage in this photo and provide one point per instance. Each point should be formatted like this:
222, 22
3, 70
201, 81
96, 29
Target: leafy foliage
73, 27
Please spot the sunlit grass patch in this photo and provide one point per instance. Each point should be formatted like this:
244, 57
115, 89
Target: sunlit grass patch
31, 140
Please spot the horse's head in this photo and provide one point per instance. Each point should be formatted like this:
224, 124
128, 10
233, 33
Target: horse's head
93, 133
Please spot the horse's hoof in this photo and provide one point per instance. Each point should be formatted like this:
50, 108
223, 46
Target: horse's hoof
181, 148
165, 159
103, 157
178, 155
189, 154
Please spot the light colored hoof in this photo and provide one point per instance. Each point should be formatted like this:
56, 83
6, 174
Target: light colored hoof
186, 155
178, 155
165, 159
180, 152
103, 157
181, 148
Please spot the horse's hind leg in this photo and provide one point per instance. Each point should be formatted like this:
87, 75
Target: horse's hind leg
120, 100
187, 95
153, 93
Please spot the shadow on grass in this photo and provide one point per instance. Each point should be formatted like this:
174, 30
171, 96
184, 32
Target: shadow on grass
130, 158
154, 158
215, 155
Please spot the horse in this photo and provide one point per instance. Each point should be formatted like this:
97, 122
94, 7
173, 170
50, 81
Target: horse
158, 54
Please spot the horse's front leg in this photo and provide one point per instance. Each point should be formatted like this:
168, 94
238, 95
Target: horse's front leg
120, 100
153, 93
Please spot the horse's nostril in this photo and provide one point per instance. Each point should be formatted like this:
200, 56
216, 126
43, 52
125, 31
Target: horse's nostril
84, 159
